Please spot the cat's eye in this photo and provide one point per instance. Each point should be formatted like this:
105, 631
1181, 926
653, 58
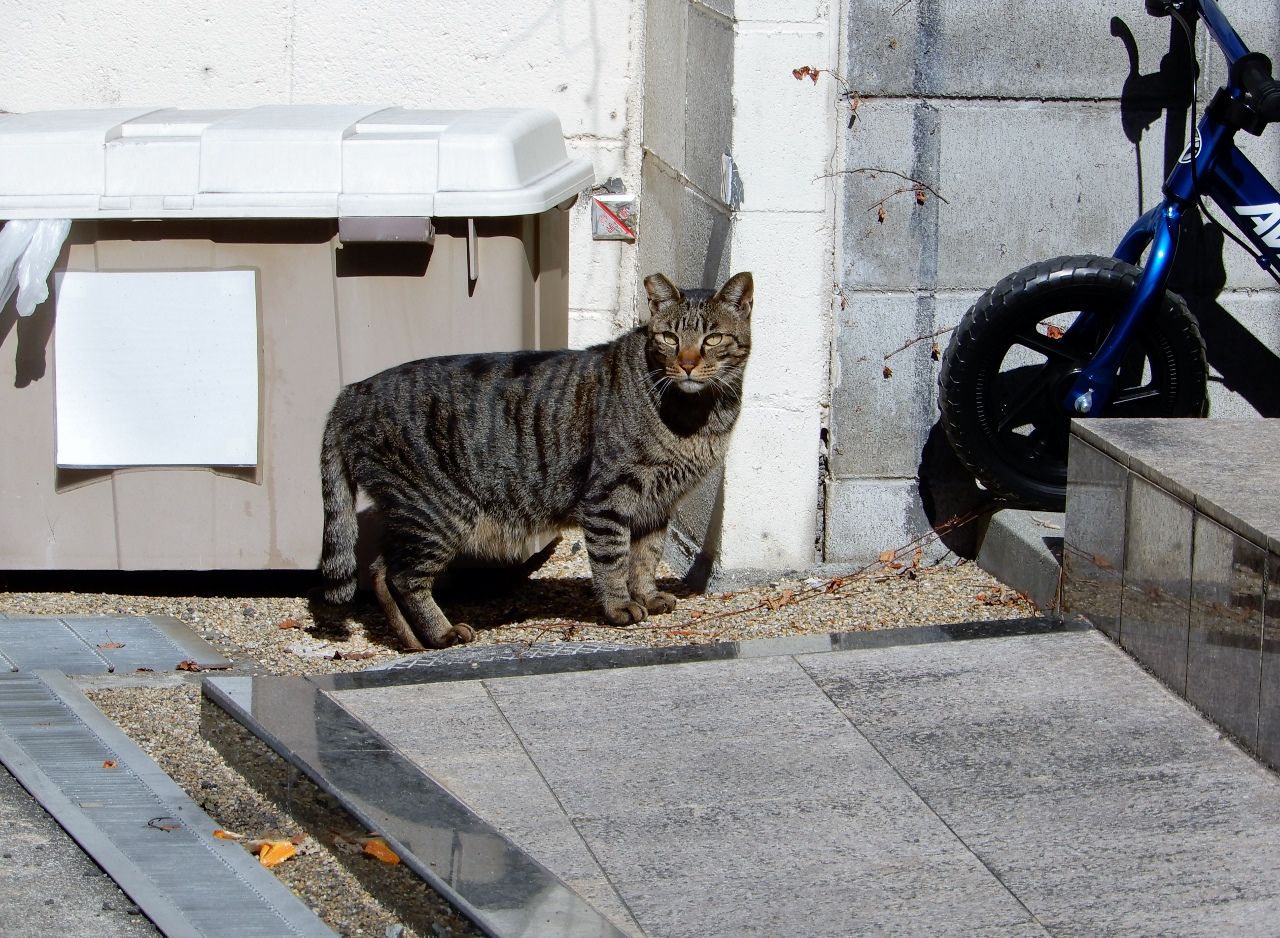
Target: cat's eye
668, 338
714, 339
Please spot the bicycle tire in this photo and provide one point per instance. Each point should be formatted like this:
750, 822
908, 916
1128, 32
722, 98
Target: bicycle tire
1011, 430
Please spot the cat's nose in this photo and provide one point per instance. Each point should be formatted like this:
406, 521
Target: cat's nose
688, 361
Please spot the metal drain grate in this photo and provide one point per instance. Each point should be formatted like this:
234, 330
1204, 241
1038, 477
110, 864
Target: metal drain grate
135, 821
101, 644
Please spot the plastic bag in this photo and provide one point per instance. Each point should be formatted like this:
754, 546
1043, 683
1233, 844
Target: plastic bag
28, 250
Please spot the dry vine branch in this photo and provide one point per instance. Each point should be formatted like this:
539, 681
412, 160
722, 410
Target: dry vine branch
920, 338
872, 170
833, 585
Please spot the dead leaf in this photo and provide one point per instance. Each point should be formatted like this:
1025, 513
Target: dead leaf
918, 557
189, 665
919, 190
888, 372
880, 214
805, 71
275, 852
1101, 562
886, 556
298, 839
1053, 332
681, 632
377, 848
786, 597
227, 835
981, 597
288, 624
935, 352
696, 614
893, 43
109, 764
144, 669
112, 645
353, 655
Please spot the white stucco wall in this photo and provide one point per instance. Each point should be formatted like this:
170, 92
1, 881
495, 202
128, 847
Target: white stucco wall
580, 58
719, 83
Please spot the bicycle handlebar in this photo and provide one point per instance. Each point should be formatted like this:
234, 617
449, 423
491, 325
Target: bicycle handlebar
1252, 73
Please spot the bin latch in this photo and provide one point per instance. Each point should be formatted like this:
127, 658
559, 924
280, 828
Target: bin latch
408, 228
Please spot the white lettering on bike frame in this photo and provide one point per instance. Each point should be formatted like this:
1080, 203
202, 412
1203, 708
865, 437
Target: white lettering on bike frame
1266, 221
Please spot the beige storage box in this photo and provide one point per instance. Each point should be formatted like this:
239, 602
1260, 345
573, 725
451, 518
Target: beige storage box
225, 273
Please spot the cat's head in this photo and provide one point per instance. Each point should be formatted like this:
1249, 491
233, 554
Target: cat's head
699, 339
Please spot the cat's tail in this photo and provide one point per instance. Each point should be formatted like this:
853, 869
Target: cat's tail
338, 557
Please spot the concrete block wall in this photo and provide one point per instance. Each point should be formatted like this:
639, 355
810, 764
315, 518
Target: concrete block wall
580, 58
1041, 126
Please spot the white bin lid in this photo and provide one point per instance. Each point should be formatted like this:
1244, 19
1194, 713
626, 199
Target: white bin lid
284, 161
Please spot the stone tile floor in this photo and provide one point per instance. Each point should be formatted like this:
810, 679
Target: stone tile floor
1017, 785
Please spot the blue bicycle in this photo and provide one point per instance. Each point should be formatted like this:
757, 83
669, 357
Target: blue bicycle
1088, 336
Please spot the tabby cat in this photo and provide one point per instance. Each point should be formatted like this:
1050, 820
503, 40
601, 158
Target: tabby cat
471, 455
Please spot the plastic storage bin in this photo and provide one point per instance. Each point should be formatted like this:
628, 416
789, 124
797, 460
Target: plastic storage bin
225, 274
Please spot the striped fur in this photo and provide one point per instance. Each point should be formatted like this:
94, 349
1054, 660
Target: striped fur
474, 454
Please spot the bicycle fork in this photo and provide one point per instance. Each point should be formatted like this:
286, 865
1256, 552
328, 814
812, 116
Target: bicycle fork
1161, 228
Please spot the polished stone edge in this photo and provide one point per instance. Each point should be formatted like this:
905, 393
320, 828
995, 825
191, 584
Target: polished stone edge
638, 656
234, 696
1085, 429
1092, 433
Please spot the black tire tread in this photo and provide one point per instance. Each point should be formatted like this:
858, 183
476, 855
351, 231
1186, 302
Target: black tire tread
985, 314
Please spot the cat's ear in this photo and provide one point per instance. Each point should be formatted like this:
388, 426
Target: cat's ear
738, 292
661, 292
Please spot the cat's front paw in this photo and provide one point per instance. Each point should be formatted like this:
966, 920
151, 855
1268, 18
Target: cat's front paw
459, 634
627, 613
659, 602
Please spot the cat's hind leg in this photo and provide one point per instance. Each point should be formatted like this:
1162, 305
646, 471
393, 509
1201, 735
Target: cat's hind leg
646, 549
418, 547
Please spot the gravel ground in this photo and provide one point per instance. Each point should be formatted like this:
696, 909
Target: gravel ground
268, 625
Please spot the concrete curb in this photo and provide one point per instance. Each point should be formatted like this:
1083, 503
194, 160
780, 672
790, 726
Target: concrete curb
1024, 550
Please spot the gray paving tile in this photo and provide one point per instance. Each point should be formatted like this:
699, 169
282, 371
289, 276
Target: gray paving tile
745, 730
467, 746
799, 866
719, 798
1101, 801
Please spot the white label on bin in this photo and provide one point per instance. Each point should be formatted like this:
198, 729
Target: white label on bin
157, 368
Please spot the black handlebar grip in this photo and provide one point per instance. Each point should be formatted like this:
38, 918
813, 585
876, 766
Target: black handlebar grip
1253, 74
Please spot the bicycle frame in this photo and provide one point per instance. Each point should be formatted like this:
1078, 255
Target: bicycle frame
1213, 166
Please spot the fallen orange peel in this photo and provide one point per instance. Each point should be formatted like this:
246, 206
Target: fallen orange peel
377, 848
274, 852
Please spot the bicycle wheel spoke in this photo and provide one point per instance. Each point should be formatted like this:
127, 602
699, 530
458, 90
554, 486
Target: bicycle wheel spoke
1028, 397
1134, 396
1051, 348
